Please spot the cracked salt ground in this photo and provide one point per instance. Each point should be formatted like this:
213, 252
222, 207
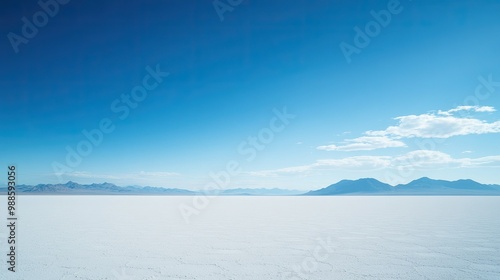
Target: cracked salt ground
126, 237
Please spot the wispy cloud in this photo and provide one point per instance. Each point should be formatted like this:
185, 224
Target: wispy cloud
443, 124
356, 162
419, 159
480, 109
364, 143
440, 125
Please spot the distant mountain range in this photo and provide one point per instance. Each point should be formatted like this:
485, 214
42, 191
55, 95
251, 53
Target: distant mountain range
422, 186
365, 186
104, 188
72, 188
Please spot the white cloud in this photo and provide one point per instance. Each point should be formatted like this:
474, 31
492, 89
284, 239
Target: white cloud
436, 126
442, 124
357, 162
424, 159
480, 109
419, 159
364, 143
431, 159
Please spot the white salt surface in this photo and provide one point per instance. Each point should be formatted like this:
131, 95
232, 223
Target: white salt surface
145, 237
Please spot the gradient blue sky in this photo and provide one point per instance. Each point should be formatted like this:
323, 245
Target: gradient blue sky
226, 77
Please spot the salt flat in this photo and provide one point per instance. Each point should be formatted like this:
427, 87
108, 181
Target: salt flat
145, 237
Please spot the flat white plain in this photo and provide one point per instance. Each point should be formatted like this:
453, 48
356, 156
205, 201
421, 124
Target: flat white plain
145, 237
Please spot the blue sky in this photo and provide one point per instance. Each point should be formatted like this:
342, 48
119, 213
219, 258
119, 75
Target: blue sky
420, 99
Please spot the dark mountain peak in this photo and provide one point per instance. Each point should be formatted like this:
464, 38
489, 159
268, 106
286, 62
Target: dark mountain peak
466, 181
70, 185
426, 180
104, 185
363, 185
426, 185
369, 180
423, 179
